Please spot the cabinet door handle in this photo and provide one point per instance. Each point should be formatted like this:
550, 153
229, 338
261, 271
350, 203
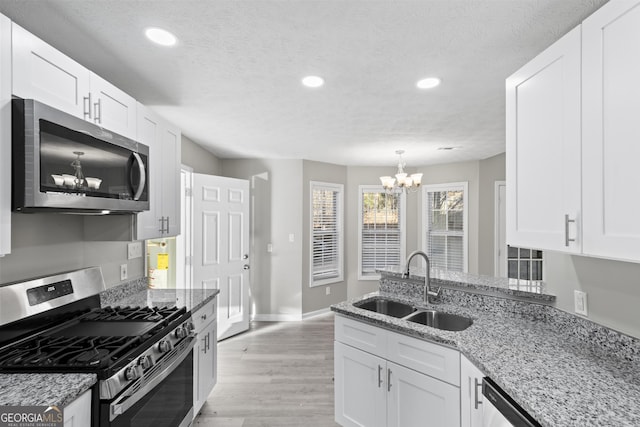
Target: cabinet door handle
476, 394
98, 111
379, 376
86, 106
167, 225
566, 230
388, 380
161, 225
204, 345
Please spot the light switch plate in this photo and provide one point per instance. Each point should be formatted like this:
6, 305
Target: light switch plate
328, 291
580, 302
123, 272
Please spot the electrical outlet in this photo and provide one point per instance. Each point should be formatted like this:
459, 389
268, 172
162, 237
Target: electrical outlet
134, 250
328, 290
580, 302
123, 272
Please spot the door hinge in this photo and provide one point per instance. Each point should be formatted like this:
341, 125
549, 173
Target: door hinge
187, 260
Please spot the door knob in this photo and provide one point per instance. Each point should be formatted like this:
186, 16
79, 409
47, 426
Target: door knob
245, 256
246, 267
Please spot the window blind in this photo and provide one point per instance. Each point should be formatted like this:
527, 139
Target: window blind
381, 231
446, 228
326, 229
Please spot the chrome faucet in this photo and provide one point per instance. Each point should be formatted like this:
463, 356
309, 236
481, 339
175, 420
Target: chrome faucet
427, 276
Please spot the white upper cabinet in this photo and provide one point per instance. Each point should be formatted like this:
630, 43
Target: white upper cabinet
543, 149
163, 217
611, 131
5, 135
111, 108
42, 72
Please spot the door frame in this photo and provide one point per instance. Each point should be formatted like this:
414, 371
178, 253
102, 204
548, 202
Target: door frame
499, 224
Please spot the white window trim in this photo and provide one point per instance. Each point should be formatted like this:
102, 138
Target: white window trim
464, 186
403, 228
340, 227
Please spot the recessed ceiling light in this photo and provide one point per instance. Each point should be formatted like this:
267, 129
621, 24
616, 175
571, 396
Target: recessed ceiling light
313, 81
160, 36
428, 83
447, 148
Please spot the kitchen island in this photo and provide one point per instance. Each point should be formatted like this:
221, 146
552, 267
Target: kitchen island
562, 369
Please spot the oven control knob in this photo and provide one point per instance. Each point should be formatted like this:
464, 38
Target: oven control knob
145, 362
164, 346
189, 327
131, 373
180, 332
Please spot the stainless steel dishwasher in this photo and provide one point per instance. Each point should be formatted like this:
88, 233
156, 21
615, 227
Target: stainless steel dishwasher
500, 410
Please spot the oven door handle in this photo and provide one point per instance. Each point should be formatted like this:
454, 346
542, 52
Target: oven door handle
127, 400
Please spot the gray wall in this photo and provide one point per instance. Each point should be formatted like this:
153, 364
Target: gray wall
201, 160
276, 277
612, 287
315, 298
491, 170
45, 244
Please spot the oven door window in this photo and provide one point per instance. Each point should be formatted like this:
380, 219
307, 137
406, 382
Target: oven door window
165, 406
77, 163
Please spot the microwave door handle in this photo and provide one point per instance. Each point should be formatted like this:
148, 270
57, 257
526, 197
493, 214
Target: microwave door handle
143, 176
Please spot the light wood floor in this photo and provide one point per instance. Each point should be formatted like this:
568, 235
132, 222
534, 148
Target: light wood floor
277, 374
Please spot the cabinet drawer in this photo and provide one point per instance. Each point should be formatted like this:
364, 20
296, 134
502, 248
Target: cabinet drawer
360, 335
431, 359
205, 315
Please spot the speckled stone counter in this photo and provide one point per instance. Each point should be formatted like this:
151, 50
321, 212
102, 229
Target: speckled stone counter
534, 291
564, 370
43, 389
136, 293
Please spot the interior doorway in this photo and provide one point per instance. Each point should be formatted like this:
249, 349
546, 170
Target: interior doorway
500, 243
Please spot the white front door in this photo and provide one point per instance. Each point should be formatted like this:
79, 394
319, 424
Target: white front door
221, 247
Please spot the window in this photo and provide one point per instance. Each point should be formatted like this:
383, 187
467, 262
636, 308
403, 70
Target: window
524, 265
326, 233
445, 218
381, 230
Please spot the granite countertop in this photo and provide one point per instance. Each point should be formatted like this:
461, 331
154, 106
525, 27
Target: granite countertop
43, 389
61, 389
558, 378
534, 291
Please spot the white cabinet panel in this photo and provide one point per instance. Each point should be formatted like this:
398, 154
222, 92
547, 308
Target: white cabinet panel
360, 335
205, 365
112, 108
44, 73
543, 149
5, 135
611, 131
163, 217
360, 388
428, 358
470, 394
417, 400
78, 412
384, 388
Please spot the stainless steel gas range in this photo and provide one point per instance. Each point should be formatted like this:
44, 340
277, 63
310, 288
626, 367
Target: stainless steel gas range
142, 356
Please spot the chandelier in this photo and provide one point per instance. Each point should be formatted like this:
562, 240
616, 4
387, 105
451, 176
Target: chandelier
402, 181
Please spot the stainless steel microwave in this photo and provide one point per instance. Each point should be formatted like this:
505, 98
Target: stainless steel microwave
61, 163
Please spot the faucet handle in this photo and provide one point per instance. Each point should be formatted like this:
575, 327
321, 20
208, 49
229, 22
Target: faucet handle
435, 293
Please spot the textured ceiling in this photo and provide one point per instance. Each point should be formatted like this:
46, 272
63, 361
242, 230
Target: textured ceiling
233, 82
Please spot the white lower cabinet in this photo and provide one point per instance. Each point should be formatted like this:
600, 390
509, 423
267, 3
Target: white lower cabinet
418, 400
205, 359
470, 394
78, 412
381, 390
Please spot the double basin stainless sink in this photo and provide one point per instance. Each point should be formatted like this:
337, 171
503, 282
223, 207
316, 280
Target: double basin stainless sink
435, 319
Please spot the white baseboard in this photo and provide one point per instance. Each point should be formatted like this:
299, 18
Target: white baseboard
316, 313
276, 317
288, 317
